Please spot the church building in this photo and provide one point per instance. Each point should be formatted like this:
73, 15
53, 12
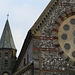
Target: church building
49, 47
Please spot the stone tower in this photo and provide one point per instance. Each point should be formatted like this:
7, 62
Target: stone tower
7, 51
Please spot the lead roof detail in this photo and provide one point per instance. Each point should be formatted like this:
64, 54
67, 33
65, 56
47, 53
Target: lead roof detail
6, 40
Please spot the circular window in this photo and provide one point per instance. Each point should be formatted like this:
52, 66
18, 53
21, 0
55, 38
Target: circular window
66, 27
72, 21
64, 36
73, 54
67, 46
74, 33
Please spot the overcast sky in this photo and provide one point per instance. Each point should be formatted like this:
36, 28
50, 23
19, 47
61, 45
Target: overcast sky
22, 15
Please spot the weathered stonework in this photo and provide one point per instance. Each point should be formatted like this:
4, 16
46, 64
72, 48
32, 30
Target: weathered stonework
48, 59
44, 53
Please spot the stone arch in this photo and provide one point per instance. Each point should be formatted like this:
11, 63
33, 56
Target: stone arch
55, 34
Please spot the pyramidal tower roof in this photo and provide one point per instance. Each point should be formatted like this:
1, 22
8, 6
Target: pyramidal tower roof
6, 40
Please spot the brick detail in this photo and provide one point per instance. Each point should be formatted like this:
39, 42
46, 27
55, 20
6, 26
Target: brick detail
66, 14
57, 23
55, 30
61, 18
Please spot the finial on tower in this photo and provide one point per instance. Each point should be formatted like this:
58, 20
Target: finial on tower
7, 16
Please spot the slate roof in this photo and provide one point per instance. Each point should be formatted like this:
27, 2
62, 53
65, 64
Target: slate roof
6, 40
